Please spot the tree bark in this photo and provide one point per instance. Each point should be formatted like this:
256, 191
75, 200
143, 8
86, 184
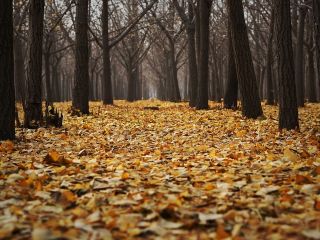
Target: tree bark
205, 9
299, 60
106, 77
288, 112
316, 16
33, 114
311, 77
231, 94
270, 86
19, 71
7, 96
192, 58
251, 105
80, 100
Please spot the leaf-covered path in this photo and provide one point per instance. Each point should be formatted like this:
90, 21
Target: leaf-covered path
126, 172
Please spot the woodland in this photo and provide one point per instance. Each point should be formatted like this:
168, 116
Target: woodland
160, 119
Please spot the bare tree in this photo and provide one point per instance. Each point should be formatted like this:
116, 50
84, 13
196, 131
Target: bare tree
33, 114
251, 106
288, 114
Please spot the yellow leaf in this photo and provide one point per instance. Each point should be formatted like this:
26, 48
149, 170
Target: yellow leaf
241, 133
290, 155
54, 158
209, 186
213, 154
202, 148
69, 196
125, 175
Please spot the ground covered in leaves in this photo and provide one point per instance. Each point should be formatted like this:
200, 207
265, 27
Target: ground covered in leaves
127, 172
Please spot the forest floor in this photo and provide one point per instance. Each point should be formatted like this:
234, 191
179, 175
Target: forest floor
125, 172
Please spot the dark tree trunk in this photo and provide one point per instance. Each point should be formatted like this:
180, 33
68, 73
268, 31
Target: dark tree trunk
251, 105
311, 77
80, 94
132, 83
270, 87
316, 16
48, 75
19, 71
231, 94
192, 58
299, 63
106, 76
288, 112
205, 9
80, 98
7, 96
33, 114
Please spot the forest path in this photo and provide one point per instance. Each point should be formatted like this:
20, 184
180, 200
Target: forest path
125, 172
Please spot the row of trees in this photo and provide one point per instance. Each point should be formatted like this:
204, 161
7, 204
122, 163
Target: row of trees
196, 50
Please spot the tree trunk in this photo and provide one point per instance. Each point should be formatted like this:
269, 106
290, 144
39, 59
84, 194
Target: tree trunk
299, 63
316, 16
7, 96
48, 73
311, 78
270, 87
80, 100
192, 58
33, 114
19, 71
288, 112
132, 84
251, 105
205, 9
106, 79
231, 94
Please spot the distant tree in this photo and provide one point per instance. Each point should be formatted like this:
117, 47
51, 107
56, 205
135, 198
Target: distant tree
80, 99
33, 114
288, 113
203, 74
251, 106
7, 96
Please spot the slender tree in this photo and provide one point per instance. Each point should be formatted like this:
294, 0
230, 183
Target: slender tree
288, 113
251, 106
33, 114
7, 97
205, 9
80, 100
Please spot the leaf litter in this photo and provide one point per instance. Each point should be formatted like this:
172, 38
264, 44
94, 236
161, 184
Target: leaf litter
128, 172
